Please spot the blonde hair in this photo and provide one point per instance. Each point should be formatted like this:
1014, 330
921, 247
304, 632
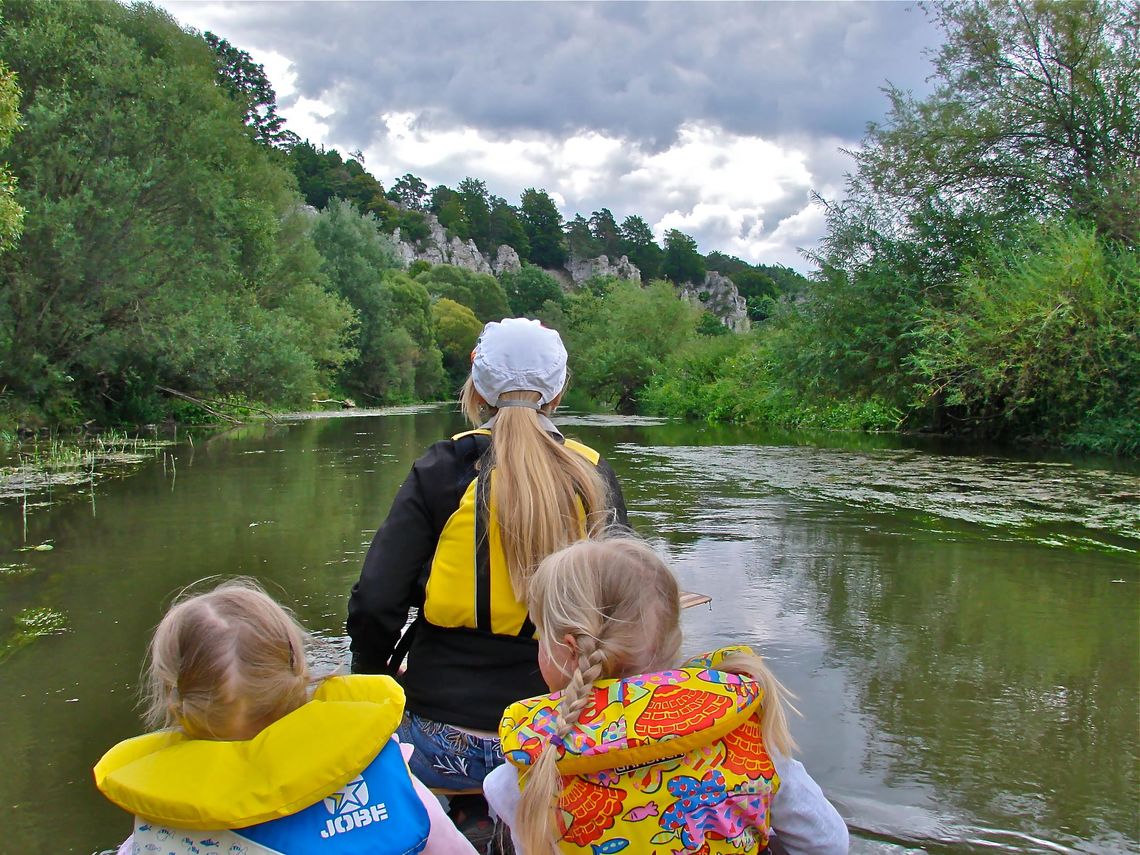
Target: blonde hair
541, 488
620, 604
225, 664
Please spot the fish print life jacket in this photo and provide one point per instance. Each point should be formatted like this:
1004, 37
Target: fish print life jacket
658, 763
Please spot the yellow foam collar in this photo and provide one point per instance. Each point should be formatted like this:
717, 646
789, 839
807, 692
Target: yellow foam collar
167, 778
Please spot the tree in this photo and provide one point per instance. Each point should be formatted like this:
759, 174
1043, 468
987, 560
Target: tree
480, 292
11, 214
1036, 112
476, 211
619, 341
726, 264
637, 244
605, 233
579, 239
529, 289
754, 283
456, 331
409, 191
398, 360
507, 228
162, 245
247, 84
682, 262
447, 205
543, 226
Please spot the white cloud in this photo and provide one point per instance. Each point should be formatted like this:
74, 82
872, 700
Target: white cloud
741, 194
716, 119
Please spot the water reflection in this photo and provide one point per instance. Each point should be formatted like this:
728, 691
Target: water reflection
967, 685
962, 632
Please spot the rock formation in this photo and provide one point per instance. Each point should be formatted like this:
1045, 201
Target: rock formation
581, 269
718, 295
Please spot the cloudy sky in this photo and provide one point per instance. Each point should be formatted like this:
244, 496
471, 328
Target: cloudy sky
717, 119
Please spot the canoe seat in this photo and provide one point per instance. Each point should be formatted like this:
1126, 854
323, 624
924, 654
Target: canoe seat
692, 598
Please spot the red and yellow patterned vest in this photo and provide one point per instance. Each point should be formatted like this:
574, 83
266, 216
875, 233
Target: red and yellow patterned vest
659, 763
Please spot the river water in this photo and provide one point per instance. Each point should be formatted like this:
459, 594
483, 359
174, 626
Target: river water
962, 629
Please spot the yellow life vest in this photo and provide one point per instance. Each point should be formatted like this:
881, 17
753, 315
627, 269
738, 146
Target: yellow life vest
469, 585
298, 760
657, 763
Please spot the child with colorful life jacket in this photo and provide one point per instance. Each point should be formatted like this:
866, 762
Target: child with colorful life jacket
467, 528
631, 752
250, 760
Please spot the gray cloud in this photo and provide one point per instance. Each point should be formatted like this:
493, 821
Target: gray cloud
804, 77
637, 70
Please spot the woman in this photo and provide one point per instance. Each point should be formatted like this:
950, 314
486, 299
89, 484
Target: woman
472, 520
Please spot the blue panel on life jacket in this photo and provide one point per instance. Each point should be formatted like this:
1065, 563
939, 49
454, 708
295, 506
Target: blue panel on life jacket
377, 812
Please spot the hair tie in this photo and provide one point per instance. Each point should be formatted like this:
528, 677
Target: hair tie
530, 405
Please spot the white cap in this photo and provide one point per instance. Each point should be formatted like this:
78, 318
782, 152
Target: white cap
515, 355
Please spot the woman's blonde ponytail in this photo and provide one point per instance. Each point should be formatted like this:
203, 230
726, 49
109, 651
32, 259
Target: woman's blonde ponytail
545, 495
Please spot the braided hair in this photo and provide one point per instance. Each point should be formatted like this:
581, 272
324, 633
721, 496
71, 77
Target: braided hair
614, 603
613, 608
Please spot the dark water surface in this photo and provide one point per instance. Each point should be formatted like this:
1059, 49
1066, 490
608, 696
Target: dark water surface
963, 631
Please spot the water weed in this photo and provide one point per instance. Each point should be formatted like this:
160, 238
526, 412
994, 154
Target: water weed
31, 624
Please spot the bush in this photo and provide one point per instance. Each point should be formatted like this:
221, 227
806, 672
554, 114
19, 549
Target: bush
1042, 342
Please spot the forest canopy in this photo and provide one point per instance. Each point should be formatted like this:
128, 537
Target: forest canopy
163, 233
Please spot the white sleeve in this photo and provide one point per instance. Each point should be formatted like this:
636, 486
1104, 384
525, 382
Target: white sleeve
501, 788
443, 837
127, 847
805, 822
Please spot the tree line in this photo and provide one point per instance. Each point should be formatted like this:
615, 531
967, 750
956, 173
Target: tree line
980, 275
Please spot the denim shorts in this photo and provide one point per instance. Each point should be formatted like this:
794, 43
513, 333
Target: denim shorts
448, 757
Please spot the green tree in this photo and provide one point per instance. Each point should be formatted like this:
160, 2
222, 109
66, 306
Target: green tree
752, 283
529, 289
447, 205
410, 191
456, 331
247, 84
11, 214
1036, 112
682, 262
637, 244
619, 341
162, 245
726, 264
507, 228
398, 360
476, 211
579, 239
543, 226
604, 230
480, 292
1043, 341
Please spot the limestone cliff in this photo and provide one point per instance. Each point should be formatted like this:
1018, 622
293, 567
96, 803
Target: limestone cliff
718, 295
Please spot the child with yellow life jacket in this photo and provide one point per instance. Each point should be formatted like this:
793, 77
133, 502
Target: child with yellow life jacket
248, 762
631, 752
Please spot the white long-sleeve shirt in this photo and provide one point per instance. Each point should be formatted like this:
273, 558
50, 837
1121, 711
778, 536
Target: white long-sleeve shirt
802, 817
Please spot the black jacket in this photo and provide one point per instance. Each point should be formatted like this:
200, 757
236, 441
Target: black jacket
460, 676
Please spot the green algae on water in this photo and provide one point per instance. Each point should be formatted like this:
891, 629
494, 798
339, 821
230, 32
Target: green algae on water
32, 624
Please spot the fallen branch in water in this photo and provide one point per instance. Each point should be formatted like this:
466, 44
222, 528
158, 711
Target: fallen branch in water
200, 403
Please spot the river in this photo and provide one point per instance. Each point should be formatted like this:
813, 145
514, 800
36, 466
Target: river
961, 627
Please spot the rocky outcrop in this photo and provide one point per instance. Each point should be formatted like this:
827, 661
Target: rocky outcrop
506, 261
437, 248
718, 294
581, 269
